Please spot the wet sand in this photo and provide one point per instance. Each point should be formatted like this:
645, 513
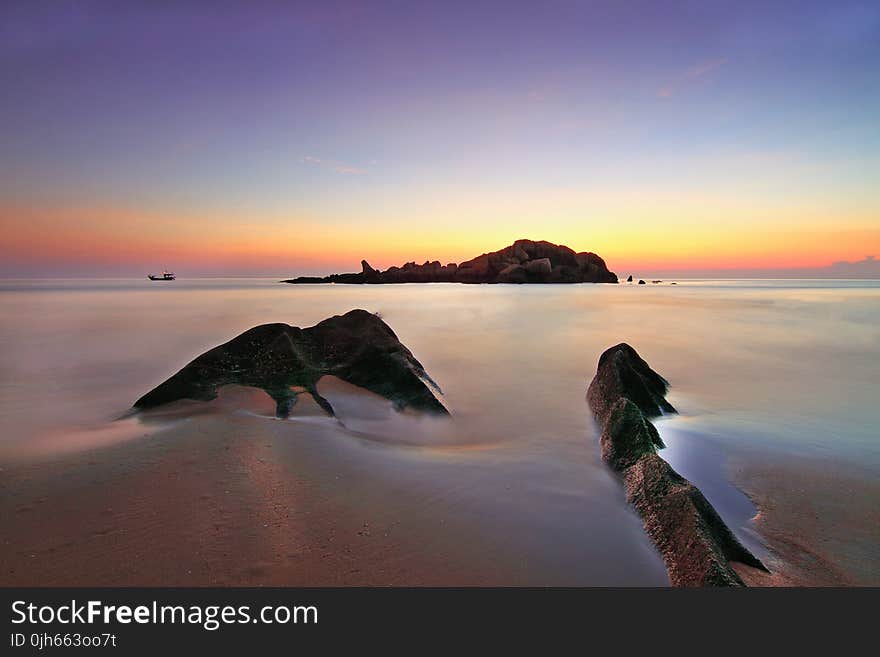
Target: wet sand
819, 520
812, 522
214, 499
214, 496
510, 491
208, 503
221, 493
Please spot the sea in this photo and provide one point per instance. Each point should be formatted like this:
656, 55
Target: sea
758, 369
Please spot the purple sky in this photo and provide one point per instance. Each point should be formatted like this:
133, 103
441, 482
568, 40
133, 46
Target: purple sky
649, 132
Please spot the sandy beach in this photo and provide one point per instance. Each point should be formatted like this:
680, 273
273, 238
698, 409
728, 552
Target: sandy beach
221, 494
819, 520
215, 501
508, 490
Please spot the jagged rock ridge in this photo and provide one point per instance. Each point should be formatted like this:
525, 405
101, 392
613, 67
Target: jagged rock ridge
284, 360
697, 546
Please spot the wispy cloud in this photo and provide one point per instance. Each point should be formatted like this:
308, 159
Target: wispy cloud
691, 75
338, 167
350, 171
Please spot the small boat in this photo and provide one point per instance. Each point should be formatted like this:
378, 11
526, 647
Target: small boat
164, 276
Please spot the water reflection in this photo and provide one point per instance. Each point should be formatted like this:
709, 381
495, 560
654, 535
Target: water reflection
781, 365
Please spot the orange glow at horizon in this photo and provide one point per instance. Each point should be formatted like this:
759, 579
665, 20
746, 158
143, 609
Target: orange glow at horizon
101, 237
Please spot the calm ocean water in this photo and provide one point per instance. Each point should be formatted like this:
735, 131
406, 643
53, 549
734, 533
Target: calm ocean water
789, 365
779, 366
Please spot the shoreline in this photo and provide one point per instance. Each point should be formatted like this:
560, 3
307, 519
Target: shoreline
816, 531
239, 498
801, 505
220, 498
742, 354
209, 504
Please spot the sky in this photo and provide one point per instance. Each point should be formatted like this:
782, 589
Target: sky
284, 138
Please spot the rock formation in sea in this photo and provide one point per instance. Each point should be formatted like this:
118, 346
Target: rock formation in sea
696, 544
357, 347
524, 261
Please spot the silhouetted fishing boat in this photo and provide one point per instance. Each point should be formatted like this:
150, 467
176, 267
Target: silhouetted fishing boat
164, 276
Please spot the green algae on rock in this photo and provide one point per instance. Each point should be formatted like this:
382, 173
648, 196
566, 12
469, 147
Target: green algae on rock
696, 545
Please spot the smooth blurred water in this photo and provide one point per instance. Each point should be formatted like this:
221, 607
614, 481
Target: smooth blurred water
787, 364
777, 365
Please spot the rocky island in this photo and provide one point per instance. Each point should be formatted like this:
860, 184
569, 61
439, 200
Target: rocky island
524, 261
286, 361
696, 545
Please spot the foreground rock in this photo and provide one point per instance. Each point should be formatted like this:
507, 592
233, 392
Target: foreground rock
695, 543
283, 360
524, 261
